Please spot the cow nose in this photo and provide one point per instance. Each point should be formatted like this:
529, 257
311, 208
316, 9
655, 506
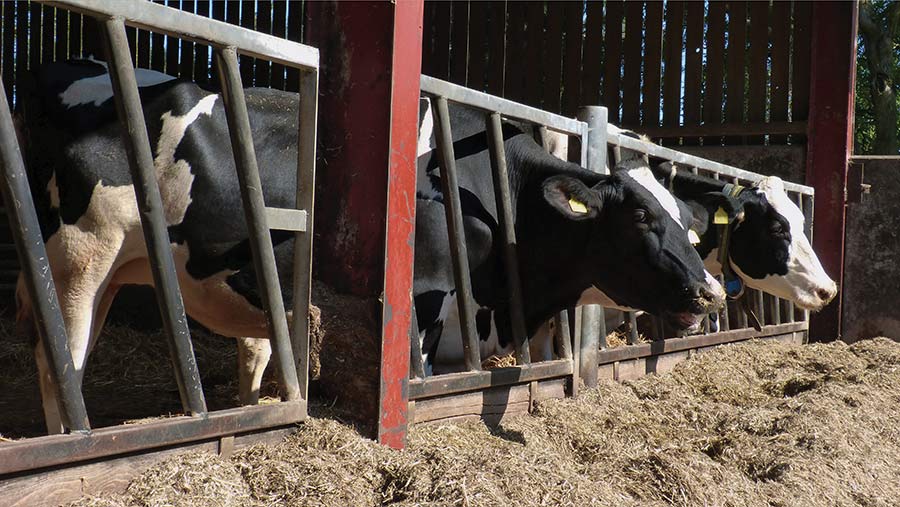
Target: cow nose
826, 295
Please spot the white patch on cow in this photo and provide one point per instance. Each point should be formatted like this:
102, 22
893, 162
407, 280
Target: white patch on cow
98, 89
449, 356
714, 286
53, 190
426, 130
645, 178
174, 176
594, 296
558, 145
806, 281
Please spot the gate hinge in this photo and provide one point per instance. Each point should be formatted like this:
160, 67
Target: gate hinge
855, 185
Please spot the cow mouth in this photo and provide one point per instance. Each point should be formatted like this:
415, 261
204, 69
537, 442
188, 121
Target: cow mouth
685, 321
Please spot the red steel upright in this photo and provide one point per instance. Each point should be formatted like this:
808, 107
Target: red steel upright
368, 122
830, 132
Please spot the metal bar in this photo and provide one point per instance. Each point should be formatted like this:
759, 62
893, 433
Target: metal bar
616, 138
502, 196
53, 450
507, 108
453, 211
35, 272
632, 329
440, 385
303, 241
146, 189
692, 342
562, 336
416, 362
254, 212
191, 27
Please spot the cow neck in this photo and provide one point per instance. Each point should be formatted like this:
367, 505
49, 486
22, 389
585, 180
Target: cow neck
546, 267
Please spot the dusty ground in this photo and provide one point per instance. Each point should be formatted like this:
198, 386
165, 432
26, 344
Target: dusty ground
753, 424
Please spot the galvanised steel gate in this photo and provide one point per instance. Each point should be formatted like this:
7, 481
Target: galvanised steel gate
290, 348
585, 353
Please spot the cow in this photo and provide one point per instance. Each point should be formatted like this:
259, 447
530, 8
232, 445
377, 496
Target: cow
580, 232
582, 237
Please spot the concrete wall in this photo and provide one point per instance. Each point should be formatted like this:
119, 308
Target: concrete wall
872, 257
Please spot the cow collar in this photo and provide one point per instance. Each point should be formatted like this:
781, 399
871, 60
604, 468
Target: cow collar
734, 286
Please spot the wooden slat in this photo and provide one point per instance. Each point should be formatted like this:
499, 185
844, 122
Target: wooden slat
428, 29
725, 129
631, 74
496, 47
172, 48
478, 34
34, 36
553, 57
441, 67
201, 51
571, 80
48, 25
652, 68
247, 21
233, 12
737, 37
279, 29
672, 58
534, 55
612, 56
800, 62
592, 55
693, 66
22, 9
758, 72
459, 41
75, 33
61, 49
781, 47
158, 50
186, 59
262, 73
715, 69
294, 33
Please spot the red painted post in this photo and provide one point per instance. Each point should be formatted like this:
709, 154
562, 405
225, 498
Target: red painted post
371, 55
830, 129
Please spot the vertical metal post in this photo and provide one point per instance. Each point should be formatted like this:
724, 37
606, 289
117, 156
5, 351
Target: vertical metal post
592, 317
26, 231
506, 217
416, 362
741, 316
254, 212
458, 252
306, 183
632, 331
140, 160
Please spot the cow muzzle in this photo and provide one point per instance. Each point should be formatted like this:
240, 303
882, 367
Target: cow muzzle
703, 299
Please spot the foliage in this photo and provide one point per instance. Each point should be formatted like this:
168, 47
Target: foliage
875, 15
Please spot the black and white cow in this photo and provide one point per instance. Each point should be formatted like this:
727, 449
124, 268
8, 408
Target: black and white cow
578, 232
582, 238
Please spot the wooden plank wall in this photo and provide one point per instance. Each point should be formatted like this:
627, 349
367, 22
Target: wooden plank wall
686, 73
32, 34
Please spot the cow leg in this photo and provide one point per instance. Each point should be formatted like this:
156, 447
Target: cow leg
101, 313
253, 356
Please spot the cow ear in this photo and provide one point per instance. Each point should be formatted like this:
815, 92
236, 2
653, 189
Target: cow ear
732, 206
571, 197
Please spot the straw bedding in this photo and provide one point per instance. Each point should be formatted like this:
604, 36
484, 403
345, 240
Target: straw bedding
754, 424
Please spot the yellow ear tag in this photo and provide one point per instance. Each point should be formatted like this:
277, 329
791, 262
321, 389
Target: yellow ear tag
577, 206
721, 217
693, 237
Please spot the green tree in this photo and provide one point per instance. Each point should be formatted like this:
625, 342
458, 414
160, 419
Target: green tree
877, 77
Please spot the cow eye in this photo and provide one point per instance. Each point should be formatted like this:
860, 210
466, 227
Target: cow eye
776, 228
641, 216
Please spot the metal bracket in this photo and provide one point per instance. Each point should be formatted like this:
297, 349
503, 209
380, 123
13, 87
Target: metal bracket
856, 188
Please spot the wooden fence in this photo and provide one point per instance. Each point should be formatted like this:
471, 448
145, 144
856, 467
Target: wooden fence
685, 72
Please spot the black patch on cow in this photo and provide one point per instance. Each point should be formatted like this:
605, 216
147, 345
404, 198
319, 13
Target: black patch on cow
483, 318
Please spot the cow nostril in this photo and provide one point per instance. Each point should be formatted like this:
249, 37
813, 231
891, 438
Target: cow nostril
824, 294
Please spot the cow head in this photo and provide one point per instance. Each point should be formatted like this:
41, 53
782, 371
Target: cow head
638, 251
771, 253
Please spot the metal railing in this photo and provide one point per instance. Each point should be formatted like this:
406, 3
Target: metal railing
495, 109
776, 315
290, 348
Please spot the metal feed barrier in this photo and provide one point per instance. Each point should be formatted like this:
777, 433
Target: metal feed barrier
290, 349
591, 351
777, 317
494, 108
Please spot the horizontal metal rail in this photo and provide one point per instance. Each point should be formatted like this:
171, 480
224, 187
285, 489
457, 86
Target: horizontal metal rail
184, 25
54, 450
617, 138
507, 108
475, 380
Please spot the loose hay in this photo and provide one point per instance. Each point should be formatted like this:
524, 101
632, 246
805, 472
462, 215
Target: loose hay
755, 424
